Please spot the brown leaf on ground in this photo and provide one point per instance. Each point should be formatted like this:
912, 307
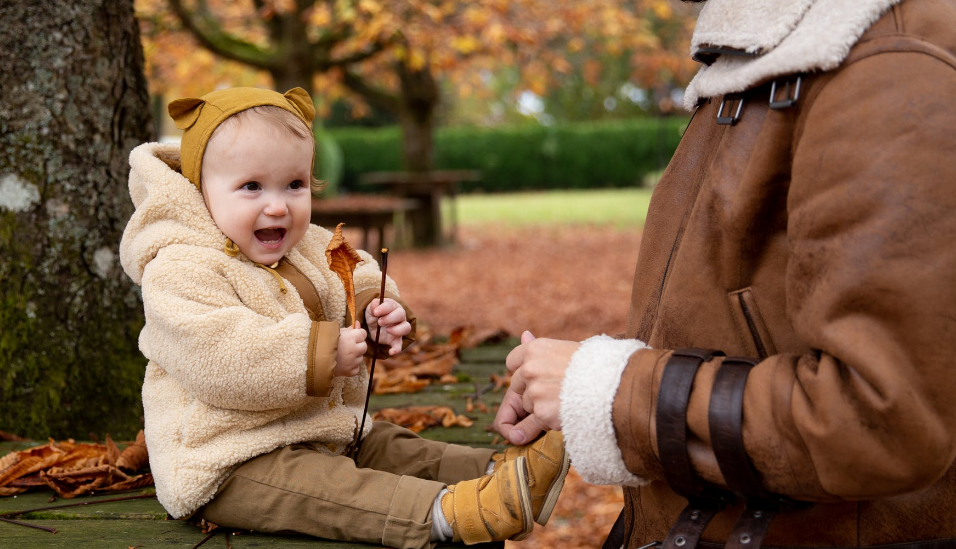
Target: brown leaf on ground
468, 337
342, 259
69, 468
134, 456
418, 418
501, 381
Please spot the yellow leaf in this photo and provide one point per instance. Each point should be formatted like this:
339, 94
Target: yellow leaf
465, 44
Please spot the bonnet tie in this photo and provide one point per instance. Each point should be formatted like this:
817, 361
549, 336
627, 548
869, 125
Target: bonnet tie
271, 269
232, 250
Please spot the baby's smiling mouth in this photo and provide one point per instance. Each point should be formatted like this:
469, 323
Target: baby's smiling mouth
272, 235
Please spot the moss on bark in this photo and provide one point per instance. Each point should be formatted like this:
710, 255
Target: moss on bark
73, 103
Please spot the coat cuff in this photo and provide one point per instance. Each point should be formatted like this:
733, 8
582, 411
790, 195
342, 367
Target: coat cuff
587, 399
323, 348
362, 300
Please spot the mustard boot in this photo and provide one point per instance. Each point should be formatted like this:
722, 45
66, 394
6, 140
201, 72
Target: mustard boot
548, 464
494, 507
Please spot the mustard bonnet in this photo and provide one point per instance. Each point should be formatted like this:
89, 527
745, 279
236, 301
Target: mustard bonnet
199, 118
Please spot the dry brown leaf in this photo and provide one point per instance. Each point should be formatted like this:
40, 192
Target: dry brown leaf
501, 381
467, 337
134, 456
342, 259
417, 418
69, 468
469, 405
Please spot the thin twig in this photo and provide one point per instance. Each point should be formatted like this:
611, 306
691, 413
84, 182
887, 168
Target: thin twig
37, 526
228, 545
371, 370
207, 538
25, 511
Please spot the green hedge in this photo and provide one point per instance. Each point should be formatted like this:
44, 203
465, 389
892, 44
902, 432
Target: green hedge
571, 156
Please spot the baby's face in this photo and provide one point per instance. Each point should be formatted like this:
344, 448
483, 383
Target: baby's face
255, 181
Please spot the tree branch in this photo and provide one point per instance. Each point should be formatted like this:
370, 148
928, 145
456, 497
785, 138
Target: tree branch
208, 32
375, 96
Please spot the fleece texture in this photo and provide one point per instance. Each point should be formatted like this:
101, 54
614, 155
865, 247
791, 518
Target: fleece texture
782, 36
587, 399
227, 350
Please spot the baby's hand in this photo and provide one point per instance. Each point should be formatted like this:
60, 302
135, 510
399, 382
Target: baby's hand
351, 352
391, 316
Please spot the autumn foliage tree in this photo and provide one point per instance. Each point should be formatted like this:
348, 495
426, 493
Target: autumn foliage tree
394, 55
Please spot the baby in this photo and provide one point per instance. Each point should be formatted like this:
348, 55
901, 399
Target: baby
256, 383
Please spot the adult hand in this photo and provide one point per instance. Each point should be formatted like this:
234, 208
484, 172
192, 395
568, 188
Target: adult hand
533, 402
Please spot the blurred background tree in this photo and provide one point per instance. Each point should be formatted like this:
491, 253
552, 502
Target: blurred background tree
73, 103
498, 61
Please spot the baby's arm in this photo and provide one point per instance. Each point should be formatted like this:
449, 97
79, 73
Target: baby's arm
219, 350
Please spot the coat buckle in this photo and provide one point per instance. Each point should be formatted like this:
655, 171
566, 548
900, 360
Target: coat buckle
728, 102
788, 100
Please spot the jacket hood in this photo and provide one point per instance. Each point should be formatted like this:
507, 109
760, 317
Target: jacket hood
749, 42
169, 209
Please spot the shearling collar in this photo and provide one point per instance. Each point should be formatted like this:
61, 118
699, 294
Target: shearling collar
770, 38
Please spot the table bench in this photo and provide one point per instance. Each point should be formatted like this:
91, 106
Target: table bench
428, 189
371, 213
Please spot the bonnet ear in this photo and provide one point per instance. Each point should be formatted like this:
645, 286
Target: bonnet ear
302, 102
185, 111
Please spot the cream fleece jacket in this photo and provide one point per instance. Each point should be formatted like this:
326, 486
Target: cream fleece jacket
226, 379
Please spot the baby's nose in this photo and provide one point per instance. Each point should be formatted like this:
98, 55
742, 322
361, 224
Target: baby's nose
276, 207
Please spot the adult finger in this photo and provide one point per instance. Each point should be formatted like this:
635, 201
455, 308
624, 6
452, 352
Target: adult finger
526, 430
516, 357
510, 412
518, 383
527, 337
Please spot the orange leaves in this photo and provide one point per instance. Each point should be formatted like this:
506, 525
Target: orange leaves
72, 468
418, 418
424, 362
342, 259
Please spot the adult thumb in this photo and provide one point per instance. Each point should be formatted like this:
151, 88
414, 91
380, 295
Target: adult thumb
527, 337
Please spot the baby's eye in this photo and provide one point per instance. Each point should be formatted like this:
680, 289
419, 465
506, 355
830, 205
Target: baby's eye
251, 186
297, 184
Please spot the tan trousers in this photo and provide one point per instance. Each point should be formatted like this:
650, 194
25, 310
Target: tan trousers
387, 498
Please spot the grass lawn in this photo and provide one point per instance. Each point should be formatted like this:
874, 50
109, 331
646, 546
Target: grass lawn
620, 207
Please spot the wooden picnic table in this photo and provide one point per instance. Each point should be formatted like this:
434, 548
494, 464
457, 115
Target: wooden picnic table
428, 188
371, 213
142, 522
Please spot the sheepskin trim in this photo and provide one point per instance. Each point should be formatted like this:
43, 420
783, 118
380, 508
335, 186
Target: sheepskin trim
803, 36
587, 399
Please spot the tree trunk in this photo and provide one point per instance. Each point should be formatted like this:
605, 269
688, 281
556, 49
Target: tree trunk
73, 103
419, 98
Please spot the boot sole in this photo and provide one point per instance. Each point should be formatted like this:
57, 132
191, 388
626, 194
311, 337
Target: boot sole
525, 497
551, 499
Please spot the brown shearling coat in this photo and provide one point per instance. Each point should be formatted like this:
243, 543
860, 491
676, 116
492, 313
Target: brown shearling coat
820, 238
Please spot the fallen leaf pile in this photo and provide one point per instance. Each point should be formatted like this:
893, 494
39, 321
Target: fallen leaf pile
72, 469
418, 418
425, 362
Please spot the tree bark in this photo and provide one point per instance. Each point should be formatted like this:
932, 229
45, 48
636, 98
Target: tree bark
419, 98
73, 103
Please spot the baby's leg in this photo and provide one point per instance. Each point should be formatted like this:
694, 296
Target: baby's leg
297, 489
397, 450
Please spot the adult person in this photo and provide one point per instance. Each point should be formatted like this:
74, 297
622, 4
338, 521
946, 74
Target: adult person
806, 229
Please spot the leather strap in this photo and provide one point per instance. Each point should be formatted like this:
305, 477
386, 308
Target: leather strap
726, 429
671, 420
751, 528
685, 534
